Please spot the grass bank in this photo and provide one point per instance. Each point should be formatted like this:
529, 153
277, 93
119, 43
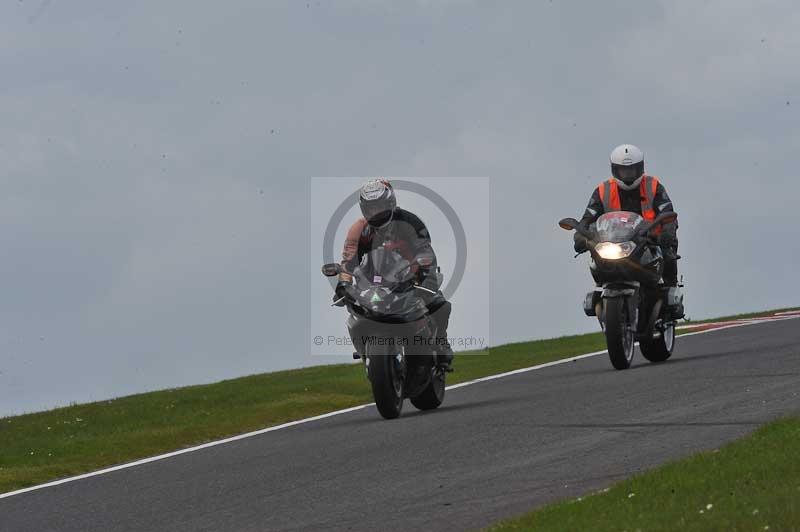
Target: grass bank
750, 484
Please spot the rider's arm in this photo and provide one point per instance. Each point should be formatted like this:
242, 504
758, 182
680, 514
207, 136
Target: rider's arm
351, 254
593, 211
420, 243
663, 203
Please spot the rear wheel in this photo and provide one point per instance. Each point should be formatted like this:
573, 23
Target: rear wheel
659, 349
433, 394
620, 335
386, 374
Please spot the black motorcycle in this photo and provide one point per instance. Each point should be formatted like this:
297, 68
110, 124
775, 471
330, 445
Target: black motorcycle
392, 332
631, 301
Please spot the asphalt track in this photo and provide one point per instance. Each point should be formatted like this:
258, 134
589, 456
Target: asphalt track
495, 449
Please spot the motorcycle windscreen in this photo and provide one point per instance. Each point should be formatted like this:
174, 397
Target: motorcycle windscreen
384, 267
618, 226
384, 285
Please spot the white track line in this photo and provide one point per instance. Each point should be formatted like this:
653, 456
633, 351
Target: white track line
344, 411
716, 324
730, 325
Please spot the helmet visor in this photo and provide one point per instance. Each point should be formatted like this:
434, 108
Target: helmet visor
377, 212
627, 174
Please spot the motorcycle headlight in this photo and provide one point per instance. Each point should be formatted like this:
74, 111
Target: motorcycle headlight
614, 251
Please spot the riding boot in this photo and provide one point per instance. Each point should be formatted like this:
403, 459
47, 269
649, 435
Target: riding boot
441, 317
670, 269
671, 283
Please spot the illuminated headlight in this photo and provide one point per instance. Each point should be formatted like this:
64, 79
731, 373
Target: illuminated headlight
613, 251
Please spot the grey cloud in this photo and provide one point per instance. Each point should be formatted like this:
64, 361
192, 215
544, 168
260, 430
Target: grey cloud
155, 164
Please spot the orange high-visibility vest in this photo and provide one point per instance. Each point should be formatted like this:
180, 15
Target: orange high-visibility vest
609, 195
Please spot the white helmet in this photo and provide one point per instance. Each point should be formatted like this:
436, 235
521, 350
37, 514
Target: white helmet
627, 164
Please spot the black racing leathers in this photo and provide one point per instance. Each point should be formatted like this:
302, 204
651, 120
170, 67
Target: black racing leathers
407, 234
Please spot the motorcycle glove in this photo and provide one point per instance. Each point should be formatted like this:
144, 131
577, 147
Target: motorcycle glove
340, 292
667, 241
580, 243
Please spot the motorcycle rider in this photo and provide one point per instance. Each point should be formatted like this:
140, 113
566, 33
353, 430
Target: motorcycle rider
385, 224
630, 189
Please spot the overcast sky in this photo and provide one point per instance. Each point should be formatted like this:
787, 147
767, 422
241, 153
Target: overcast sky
155, 164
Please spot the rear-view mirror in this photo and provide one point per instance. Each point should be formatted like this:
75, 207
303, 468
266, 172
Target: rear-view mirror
329, 270
568, 223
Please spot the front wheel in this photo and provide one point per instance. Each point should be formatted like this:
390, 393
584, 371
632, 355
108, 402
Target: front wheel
620, 334
659, 349
433, 394
386, 374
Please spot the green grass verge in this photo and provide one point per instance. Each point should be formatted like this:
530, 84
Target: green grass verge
44, 446
750, 484
689, 320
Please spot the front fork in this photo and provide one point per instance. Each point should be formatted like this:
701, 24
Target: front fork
593, 303
655, 326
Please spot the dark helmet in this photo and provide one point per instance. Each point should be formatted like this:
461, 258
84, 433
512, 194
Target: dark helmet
627, 163
377, 201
